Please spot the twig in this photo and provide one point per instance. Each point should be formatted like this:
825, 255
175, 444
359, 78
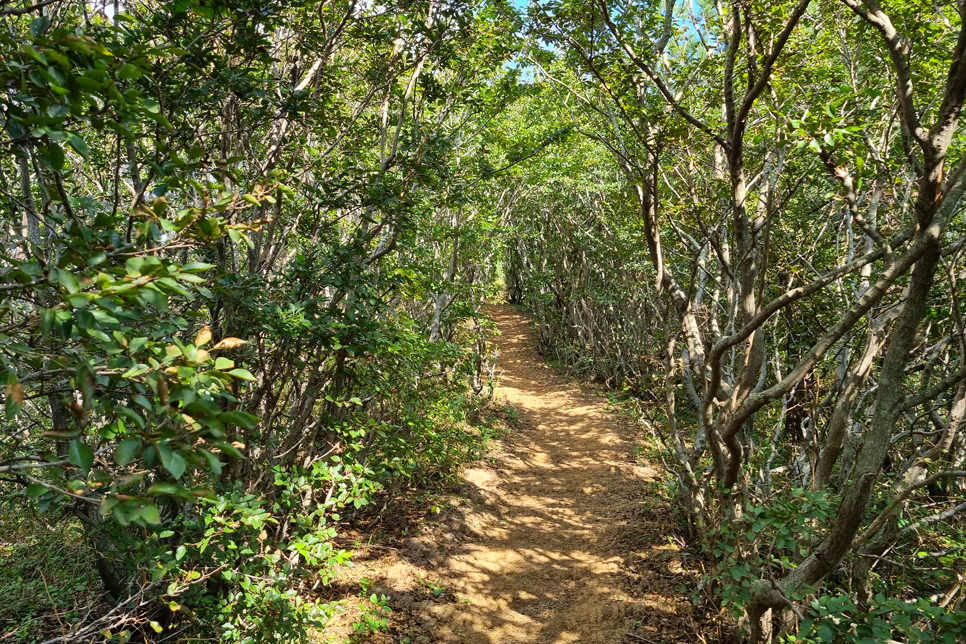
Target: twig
795, 609
899, 499
19, 11
368, 546
97, 624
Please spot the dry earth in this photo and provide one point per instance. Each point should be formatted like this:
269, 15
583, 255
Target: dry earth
556, 537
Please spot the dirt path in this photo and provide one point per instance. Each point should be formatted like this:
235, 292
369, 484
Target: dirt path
557, 538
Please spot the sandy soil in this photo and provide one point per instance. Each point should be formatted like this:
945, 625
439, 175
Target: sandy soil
555, 538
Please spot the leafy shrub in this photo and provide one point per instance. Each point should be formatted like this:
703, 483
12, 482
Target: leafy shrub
215, 342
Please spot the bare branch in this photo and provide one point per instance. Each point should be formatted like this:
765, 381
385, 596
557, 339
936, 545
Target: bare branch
881, 519
19, 11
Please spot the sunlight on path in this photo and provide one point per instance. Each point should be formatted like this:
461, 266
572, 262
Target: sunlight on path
544, 561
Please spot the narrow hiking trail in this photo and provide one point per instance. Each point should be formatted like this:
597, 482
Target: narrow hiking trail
556, 538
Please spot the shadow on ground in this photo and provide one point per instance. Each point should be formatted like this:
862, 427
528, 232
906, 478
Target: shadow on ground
555, 538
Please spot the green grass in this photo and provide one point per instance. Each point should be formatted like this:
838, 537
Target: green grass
47, 580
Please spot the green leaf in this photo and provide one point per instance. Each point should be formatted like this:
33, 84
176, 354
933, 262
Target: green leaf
78, 300
127, 450
163, 487
36, 55
243, 374
149, 512
78, 144
129, 71
47, 319
55, 156
88, 84
39, 25
68, 281
160, 120
136, 370
230, 450
129, 413
36, 489
195, 267
213, 462
155, 298
221, 364
177, 465
151, 105
80, 455
239, 418
173, 461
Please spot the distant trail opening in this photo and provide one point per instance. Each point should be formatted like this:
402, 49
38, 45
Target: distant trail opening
560, 542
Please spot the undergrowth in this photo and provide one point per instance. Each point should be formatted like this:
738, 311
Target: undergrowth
47, 579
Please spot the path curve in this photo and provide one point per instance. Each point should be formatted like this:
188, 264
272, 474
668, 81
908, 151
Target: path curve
555, 542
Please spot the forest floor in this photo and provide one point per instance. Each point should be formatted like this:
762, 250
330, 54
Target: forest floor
559, 535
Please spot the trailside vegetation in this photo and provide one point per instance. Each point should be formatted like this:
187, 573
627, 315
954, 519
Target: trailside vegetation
245, 247
755, 227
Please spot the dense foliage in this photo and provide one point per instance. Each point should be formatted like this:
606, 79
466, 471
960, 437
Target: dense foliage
756, 230
245, 247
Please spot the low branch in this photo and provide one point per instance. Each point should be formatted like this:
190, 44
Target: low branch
881, 519
933, 392
933, 518
19, 11
85, 499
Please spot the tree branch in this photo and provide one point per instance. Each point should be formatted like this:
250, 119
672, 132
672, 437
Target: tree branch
878, 19
665, 92
19, 11
881, 519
